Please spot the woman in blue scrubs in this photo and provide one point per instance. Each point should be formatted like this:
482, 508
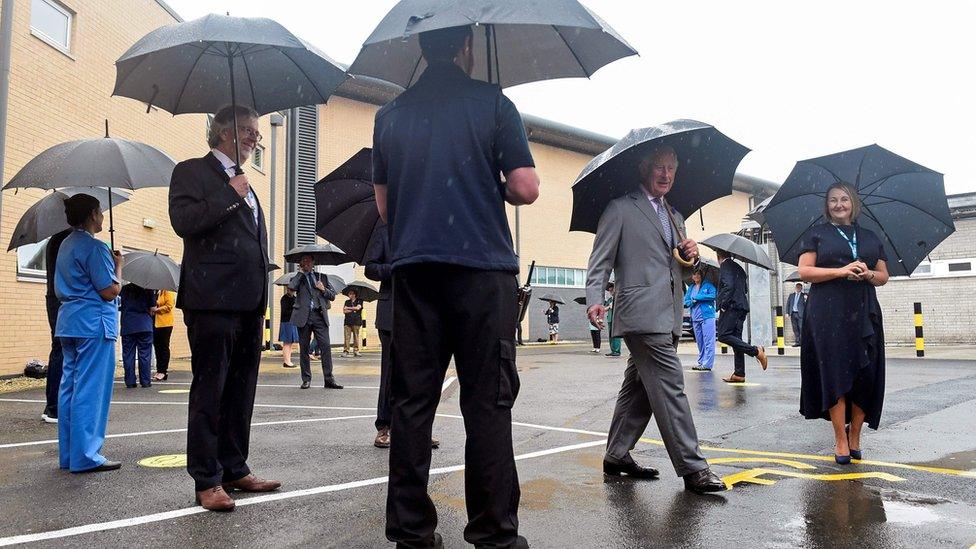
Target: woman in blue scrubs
86, 281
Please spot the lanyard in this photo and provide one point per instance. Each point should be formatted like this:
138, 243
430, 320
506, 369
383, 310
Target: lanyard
852, 243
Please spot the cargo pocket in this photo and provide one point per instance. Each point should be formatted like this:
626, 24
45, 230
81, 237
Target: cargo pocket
508, 380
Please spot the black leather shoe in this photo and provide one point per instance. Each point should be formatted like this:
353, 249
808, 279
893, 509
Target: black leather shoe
437, 542
332, 385
306, 385
629, 469
703, 481
107, 466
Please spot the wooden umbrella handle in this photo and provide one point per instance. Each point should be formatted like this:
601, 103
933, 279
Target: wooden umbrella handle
675, 251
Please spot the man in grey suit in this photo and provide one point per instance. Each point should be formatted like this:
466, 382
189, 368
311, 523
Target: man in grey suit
635, 239
794, 307
314, 295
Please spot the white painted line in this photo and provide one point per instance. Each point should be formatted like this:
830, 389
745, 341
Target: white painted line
293, 386
169, 515
181, 403
447, 383
168, 431
543, 427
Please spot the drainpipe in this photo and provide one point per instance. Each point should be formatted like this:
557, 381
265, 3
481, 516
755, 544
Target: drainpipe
6, 36
276, 121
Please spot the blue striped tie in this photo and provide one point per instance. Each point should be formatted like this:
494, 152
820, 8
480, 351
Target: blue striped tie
662, 214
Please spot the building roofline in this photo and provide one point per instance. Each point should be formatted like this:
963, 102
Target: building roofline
170, 10
539, 130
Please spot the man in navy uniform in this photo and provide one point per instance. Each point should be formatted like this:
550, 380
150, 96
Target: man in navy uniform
440, 151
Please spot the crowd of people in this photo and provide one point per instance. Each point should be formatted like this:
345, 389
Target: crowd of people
446, 298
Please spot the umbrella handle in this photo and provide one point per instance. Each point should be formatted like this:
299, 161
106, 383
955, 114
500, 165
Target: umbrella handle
675, 251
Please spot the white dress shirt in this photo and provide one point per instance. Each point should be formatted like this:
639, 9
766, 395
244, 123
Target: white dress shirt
228, 164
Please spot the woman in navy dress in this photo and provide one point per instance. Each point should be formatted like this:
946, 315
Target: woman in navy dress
842, 361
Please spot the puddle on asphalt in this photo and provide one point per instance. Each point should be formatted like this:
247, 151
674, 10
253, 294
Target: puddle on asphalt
965, 461
905, 513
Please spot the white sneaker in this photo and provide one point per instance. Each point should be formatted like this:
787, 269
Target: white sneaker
48, 419
595, 350
356, 354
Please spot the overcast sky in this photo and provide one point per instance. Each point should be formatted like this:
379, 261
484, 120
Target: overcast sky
790, 80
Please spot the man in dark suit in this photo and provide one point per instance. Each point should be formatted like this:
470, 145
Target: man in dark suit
223, 292
313, 298
55, 359
794, 307
379, 268
733, 303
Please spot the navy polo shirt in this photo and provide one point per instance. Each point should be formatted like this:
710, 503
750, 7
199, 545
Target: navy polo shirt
441, 148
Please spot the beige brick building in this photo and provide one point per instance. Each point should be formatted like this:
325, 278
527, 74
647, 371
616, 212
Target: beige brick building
60, 90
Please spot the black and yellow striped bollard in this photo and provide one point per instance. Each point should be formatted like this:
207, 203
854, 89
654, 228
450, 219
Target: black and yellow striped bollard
919, 338
780, 340
267, 329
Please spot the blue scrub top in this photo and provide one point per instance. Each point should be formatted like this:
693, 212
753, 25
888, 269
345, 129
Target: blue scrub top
84, 267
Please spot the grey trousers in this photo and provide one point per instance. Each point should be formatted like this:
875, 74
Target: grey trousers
320, 326
654, 385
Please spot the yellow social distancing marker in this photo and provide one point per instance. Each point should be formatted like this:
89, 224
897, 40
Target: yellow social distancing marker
787, 462
166, 461
753, 476
174, 391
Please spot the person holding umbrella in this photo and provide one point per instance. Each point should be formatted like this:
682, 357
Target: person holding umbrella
313, 298
635, 238
55, 359
842, 357
552, 318
795, 305
223, 294
136, 304
352, 322
733, 305
287, 332
454, 283
86, 281
700, 300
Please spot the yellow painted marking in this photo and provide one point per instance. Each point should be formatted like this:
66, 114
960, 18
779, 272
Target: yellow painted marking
752, 475
830, 459
779, 322
174, 391
918, 319
170, 460
787, 462
780, 341
743, 384
919, 343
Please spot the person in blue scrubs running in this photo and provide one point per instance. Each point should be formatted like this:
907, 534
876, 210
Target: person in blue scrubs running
86, 282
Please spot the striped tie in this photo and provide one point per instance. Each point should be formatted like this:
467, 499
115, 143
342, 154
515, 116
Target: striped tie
662, 214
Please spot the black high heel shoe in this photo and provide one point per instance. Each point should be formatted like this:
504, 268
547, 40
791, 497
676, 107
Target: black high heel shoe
855, 454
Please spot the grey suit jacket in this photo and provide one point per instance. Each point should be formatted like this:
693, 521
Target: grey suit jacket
306, 294
630, 241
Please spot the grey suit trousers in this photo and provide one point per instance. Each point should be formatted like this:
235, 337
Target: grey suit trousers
654, 385
318, 325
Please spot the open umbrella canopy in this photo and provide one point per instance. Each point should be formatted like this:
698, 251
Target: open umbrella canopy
364, 290
707, 160
709, 269
100, 162
515, 41
793, 277
345, 206
756, 214
581, 300
740, 248
904, 203
151, 270
189, 67
335, 280
553, 297
322, 254
47, 218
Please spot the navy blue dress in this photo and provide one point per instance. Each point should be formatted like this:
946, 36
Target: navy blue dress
842, 351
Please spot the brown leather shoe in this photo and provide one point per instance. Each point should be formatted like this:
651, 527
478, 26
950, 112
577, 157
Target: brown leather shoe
251, 483
382, 439
761, 357
734, 379
215, 499
435, 443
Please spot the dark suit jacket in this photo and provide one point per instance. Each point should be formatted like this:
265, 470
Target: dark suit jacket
733, 288
379, 268
225, 257
800, 307
306, 293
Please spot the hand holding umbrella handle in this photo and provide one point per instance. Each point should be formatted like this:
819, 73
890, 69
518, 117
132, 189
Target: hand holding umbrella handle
675, 251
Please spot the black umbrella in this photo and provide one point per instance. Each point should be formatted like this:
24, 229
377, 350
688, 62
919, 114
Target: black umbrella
553, 297
581, 300
709, 269
345, 206
335, 280
517, 42
707, 160
203, 65
103, 162
756, 214
364, 290
793, 277
47, 218
902, 202
151, 270
740, 248
322, 254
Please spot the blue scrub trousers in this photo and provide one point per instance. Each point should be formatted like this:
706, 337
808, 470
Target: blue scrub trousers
83, 401
143, 343
705, 337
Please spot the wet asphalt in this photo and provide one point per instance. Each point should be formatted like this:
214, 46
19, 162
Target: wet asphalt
916, 487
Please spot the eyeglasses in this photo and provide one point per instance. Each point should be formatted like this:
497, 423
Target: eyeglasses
253, 134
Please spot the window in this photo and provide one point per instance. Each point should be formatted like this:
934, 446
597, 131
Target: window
944, 268
51, 22
559, 276
31, 260
257, 158
960, 267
